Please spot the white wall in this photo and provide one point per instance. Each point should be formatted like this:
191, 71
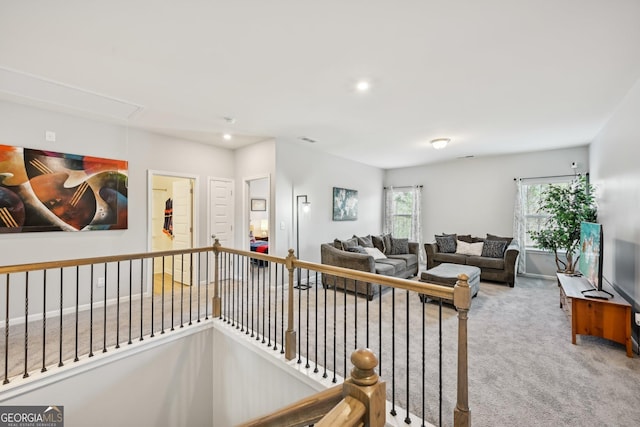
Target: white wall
301, 170
252, 162
170, 384
25, 126
614, 164
253, 380
476, 196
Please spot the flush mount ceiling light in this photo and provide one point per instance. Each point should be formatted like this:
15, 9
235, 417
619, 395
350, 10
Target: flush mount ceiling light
227, 136
440, 143
363, 86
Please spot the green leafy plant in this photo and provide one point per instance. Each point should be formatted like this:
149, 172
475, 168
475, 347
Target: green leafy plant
567, 206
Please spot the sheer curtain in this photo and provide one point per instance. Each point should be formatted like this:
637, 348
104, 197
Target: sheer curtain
519, 231
415, 231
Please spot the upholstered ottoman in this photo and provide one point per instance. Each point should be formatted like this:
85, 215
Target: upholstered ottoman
447, 275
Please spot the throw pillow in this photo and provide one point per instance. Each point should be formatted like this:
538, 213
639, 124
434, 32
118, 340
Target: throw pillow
465, 248
375, 253
365, 242
465, 238
387, 243
446, 243
494, 248
345, 244
494, 237
378, 242
357, 249
399, 246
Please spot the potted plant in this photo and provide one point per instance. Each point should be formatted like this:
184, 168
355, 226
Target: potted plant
568, 206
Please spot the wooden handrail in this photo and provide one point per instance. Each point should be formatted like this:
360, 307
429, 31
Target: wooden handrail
349, 412
301, 413
19, 268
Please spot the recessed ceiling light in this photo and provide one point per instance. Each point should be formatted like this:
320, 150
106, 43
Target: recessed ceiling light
227, 136
363, 86
440, 143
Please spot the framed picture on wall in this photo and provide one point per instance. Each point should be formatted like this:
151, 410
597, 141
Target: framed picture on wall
345, 204
258, 204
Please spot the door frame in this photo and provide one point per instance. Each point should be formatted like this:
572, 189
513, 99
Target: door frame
246, 208
194, 209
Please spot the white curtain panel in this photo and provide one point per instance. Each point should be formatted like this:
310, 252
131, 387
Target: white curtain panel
519, 231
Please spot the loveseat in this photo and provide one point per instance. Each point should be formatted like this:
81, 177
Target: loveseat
495, 256
381, 254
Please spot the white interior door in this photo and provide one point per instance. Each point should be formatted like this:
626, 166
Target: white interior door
221, 211
182, 228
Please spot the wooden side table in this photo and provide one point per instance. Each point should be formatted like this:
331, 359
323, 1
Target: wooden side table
609, 319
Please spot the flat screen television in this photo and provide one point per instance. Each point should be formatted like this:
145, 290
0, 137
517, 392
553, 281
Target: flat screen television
591, 256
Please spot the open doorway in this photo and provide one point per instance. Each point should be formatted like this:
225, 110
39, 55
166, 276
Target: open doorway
257, 215
172, 226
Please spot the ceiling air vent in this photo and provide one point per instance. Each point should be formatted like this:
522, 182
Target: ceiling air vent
306, 139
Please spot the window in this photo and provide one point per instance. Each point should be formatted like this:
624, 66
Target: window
402, 214
531, 202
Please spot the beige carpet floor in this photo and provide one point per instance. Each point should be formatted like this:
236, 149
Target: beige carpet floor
523, 369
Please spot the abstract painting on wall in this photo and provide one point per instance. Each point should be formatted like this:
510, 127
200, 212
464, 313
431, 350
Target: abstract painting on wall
48, 191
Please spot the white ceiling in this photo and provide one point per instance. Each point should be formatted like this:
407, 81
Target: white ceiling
495, 76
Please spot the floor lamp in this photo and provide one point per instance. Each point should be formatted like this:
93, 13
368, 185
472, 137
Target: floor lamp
306, 206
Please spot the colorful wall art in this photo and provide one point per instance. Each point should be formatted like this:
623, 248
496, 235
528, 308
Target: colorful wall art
48, 191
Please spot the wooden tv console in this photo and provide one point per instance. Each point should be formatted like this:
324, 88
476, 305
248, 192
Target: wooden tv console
610, 319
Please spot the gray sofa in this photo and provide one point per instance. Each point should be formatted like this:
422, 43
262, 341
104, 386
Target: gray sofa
401, 262
502, 269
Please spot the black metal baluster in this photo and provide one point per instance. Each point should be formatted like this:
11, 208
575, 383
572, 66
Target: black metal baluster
75, 359
233, 289
104, 326
181, 291
315, 370
91, 313
335, 329
355, 315
282, 313
44, 320
440, 358
153, 292
324, 375
264, 307
6, 332
299, 285
393, 351
275, 310
269, 306
162, 298
142, 295
130, 292
118, 305
250, 300
424, 360
307, 337
407, 419
190, 289
367, 316
241, 290
199, 281
61, 292
26, 325
344, 329
247, 298
206, 289
380, 332
173, 293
